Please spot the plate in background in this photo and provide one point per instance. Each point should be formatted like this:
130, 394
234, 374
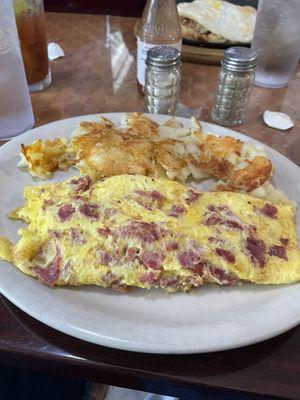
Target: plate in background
211, 45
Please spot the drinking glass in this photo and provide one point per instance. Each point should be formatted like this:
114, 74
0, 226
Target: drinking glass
277, 41
15, 107
30, 18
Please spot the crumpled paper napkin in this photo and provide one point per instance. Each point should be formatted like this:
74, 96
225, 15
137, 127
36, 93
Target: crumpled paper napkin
55, 51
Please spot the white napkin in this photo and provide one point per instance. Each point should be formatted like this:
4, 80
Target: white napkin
55, 51
277, 120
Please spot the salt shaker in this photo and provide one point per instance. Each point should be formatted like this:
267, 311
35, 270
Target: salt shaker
234, 85
162, 80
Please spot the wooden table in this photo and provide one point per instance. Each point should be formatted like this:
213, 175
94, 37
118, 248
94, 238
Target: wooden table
94, 78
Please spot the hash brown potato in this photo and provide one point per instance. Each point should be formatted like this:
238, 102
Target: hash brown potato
142, 146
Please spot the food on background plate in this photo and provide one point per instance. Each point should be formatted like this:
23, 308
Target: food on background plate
142, 146
133, 230
216, 21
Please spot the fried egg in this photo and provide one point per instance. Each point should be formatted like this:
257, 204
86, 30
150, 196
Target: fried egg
132, 230
217, 21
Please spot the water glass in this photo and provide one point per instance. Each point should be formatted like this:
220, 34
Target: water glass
15, 107
277, 41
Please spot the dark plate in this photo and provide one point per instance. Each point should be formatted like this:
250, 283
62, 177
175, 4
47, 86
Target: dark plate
213, 45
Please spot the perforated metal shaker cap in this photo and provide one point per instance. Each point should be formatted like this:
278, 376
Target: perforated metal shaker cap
163, 57
239, 59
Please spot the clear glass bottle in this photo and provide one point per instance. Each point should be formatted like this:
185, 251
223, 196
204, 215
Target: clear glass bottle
15, 107
159, 25
234, 86
162, 80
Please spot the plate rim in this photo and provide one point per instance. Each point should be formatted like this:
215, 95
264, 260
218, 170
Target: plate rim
154, 348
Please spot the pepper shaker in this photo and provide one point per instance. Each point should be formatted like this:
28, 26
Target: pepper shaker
162, 80
234, 86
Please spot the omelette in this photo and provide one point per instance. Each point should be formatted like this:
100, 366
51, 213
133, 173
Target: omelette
216, 21
133, 230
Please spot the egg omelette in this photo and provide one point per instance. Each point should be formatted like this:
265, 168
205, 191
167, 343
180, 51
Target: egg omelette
133, 230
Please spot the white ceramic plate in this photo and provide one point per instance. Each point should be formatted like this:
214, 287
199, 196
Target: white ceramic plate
152, 321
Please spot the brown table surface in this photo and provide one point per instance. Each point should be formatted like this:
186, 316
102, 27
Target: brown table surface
93, 78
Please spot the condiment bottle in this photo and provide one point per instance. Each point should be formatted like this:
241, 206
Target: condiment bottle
162, 80
15, 106
159, 25
234, 85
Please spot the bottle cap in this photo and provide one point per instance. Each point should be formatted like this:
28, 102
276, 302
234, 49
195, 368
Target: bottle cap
163, 57
239, 59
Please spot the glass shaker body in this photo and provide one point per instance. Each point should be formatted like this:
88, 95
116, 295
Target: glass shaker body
232, 97
15, 107
276, 40
162, 87
30, 19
